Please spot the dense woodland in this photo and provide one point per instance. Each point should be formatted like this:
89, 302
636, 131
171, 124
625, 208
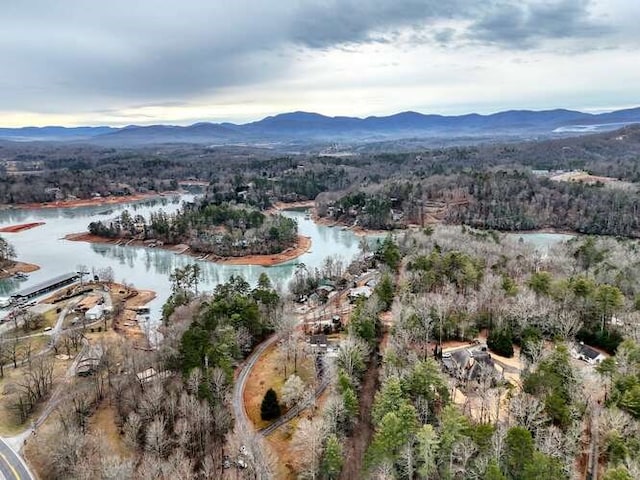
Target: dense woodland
392, 395
207, 226
397, 406
454, 284
488, 186
176, 425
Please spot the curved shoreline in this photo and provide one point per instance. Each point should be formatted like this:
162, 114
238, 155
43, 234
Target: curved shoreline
17, 267
20, 227
301, 247
89, 202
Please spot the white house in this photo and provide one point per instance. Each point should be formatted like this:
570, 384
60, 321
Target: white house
94, 313
589, 354
363, 291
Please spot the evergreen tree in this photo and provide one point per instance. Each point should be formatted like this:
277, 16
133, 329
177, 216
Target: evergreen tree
519, 451
493, 472
385, 291
270, 408
331, 459
501, 342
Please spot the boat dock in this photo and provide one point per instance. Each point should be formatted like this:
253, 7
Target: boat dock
45, 287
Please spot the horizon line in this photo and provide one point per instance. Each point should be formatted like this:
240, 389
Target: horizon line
585, 111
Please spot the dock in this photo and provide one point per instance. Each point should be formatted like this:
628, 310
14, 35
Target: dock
45, 287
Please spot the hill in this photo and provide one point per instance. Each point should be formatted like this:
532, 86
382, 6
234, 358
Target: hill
305, 127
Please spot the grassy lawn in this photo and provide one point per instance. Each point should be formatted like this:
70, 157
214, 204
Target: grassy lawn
9, 419
269, 373
103, 423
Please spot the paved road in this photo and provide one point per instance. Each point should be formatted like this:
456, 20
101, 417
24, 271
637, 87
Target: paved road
239, 410
11, 465
295, 411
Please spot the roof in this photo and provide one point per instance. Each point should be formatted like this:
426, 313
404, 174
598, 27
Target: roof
461, 357
364, 291
326, 288
319, 339
44, 285
95, 310
589, 352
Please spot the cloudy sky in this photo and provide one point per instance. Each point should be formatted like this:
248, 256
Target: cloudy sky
78, 62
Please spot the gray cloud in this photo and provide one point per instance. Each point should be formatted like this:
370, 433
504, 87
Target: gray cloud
522, 25
74, 55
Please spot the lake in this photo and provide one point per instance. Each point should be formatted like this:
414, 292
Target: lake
146, 268
149, 268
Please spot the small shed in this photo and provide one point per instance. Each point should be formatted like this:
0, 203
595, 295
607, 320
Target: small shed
94, 313
590, 354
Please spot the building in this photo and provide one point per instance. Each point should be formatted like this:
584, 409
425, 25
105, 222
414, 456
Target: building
90, 361
95, 313
319, 342
45, 287
471, 364
589, 354
358, 292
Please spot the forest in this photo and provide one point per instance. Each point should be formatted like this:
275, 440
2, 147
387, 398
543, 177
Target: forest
487, 186
473, 356
464, 363
206, 226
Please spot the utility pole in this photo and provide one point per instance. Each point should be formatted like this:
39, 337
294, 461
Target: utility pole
81, 274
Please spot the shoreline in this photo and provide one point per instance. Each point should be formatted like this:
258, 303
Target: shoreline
21, 227
301, 247
360, 231
357, 231
543, 230
301, 205
88, 202
18, 267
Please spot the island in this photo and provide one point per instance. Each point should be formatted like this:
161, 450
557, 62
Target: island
9, 266
207, 229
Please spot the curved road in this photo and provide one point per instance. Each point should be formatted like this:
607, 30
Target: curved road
238, 388
239, 410
12, 467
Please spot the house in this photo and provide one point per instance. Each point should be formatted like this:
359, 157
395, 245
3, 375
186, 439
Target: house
89, 362
396, 215
589, 354
324, 291
95, 313
319, 342
358, 292
150, 374
470, 364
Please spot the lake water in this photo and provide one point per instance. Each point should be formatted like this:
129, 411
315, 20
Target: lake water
540, 240
149, 268
146, 268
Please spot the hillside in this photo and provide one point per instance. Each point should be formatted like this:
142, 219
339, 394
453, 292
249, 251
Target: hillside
301, 127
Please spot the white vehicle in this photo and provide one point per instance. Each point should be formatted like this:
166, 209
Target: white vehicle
5, 302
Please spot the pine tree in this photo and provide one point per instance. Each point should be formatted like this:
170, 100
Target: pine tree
332, 459
270, 408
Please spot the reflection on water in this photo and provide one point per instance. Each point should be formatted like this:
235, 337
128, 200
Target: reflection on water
146, 268
540, 240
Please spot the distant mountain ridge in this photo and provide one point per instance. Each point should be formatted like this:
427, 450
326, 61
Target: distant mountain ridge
306, 126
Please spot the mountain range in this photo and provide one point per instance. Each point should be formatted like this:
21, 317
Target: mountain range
299, 127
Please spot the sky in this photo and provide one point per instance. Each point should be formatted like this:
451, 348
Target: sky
78, 62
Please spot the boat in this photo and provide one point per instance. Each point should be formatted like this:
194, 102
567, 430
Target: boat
21, 276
